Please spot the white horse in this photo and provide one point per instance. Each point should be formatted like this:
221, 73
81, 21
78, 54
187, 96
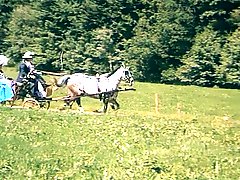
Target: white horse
103, 87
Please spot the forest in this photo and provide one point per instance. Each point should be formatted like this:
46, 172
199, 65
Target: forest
190, 42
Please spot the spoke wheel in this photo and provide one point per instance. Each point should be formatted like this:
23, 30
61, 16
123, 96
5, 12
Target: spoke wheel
31, 103
45, 104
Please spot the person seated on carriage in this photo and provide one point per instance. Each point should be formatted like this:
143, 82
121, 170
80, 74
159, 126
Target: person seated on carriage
6, 84
27, 73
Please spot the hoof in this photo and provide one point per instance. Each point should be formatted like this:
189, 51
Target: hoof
81, 110
62, 108
65, 107
98, 111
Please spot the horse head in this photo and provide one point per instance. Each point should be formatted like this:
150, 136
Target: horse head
127, 75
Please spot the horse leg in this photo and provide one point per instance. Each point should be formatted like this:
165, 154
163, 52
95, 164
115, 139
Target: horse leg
68, 102
78, 101
113, 101
105, 102
114, 104
105, 99
105, 107
74, 91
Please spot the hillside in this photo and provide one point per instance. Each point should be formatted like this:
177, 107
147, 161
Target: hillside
193, 134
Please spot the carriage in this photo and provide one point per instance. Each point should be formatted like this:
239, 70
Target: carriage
104, 87
24, 92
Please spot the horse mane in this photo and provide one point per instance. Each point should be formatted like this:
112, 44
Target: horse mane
111, 73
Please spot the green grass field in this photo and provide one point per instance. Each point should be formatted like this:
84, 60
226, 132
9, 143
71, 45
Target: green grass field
193, 133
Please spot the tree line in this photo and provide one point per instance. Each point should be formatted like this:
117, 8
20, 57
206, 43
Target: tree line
193, 42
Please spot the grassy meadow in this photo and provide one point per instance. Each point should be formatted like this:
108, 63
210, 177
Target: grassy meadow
159, 132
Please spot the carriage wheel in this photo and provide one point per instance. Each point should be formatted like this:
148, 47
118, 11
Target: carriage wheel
44, 104
31, 103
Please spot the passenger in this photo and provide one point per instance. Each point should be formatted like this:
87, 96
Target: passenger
6, 84
3, 62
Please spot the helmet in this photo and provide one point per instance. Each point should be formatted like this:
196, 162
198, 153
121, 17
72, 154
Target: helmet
28, 55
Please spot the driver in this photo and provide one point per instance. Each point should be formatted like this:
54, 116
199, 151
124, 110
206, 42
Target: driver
27, 71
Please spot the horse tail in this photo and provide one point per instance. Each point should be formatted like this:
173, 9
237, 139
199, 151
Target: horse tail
62, 81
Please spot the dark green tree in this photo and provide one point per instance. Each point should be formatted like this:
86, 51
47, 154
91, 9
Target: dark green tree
89, 33
214, 13
153, 37
230, 61
23, 34
160, 38
202, 61
6, 9
5, 12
